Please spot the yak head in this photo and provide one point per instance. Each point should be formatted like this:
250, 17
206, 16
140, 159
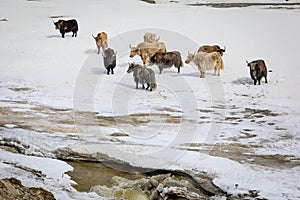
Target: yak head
221, 51
217, 48
131, 67
134, 51
189, 58
253, 69
58, 24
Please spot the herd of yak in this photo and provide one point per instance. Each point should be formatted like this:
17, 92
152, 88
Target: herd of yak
152, 52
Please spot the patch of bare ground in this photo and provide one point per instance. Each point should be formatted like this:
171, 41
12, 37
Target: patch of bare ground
57, 16
12, 189
242, 5
21, 89
46, 119
149, 1
244, 154
3, 20
38, 118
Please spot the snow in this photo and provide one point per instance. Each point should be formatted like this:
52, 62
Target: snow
38, 67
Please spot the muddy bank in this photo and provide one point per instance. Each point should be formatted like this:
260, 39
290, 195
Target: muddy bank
284, 5
12, 189
242, 5
156, 184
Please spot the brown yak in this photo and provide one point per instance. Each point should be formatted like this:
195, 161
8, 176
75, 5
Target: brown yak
213, 48
101, 41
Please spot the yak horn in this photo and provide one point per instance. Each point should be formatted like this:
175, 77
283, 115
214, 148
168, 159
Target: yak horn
93, 36
247, 62
130, 45
224, 48
158, 39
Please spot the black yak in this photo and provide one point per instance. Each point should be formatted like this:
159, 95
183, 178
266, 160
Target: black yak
258, 69
167, 60
66, 26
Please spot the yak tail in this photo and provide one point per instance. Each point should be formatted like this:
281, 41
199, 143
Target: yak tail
222, 64
180, 63
153, 86
152, 79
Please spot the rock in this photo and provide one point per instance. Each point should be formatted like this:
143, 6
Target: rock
134, 194
153, 182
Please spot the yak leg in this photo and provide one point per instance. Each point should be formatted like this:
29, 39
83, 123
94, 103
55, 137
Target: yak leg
266, 79
202, 74
178, 70
215, 71
218, 71
108, 70
148, 85
112, 70
146, 60
254, 82
160, 68
143, 86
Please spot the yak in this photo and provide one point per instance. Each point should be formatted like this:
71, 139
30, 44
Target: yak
150, 37
167, 60
258, 69
65, 26
109, 59
213, 48
101, 41
146, 50
143, 76
206, 61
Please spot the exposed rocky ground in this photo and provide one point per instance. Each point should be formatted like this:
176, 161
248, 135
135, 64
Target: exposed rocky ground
12, 189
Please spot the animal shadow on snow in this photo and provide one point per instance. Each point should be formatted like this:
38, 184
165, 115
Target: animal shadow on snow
58, 36
98, 70
196, 74
91, 51
243, 81
130, 86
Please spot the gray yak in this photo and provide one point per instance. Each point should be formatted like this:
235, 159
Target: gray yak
101, 41
143, 76
167, 60
109, 59
258, 69
146, 50
213, 48
206, 61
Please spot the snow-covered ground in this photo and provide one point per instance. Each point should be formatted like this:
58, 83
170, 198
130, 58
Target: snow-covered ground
54, 93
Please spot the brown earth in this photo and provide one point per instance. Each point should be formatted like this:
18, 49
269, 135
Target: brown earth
12, 189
